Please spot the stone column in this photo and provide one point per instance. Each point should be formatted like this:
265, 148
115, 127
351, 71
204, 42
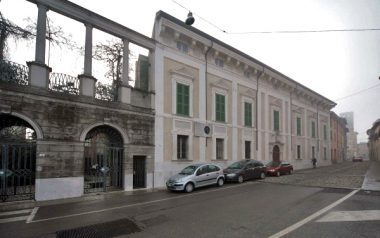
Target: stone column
124, 88
235, 138
38, 70
87, 81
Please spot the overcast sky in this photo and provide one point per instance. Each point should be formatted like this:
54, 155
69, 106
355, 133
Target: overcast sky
334, 64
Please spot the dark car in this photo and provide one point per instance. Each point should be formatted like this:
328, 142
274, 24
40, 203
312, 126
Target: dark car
244, 170
357, 159
279, 168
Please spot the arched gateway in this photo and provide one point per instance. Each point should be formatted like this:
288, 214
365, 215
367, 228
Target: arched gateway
103, 160
17, 159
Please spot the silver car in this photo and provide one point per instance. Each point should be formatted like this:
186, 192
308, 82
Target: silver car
195, 176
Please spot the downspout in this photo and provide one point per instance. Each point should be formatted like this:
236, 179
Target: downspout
206, 64
291, 122
318, 152
256, 111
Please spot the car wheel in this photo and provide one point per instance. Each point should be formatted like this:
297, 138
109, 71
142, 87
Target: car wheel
262, 175
290, 171
189, 187
278, 174
240, 179
220, 182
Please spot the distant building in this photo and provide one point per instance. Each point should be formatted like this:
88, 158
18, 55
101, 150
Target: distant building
338, 137
374, 141
352, 136
363, 150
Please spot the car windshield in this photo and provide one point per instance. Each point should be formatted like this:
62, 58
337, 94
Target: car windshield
273, 164
237, 165
189, 170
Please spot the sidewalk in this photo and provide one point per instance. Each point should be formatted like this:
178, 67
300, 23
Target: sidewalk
372, 177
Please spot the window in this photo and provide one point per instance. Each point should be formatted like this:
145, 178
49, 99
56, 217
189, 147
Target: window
313, 129
298, 152
247, 74
183, 99
219, 148
247, 150
324, 153
276, 120
182, 47
219, 62
213, 168
298, 126
324, 132
247, 114
220, 110
182, 146
312, 152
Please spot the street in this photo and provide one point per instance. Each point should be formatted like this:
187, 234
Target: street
273, 207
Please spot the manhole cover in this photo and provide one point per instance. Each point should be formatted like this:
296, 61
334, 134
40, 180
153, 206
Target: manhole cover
101, 230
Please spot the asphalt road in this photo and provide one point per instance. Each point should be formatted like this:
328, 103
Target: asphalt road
251, 209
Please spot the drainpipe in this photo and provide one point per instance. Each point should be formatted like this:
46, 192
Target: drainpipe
206, 64
257, 105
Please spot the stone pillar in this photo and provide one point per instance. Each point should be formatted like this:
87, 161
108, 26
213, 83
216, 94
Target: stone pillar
87, 81
235, 138
38, 70
124, 89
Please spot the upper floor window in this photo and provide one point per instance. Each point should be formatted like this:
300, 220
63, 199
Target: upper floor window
182, 47
183, 99
247, 114
220, 107
298, 126
324, 132
219, 62
276, 120
313, 129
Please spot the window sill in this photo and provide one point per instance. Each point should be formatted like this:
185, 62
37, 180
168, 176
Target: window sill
182, 160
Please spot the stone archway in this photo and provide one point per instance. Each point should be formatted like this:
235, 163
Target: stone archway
276, 154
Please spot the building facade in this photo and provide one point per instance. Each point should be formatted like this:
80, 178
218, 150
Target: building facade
215, 103
363, 150
338, 137
352, 136
374, 141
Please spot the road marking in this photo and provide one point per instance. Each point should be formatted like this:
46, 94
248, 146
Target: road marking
365, 215
15, 212
311, 217
31, 216
13, 219
140, 203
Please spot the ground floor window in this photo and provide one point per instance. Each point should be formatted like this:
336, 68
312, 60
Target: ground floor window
312, 152
219, 148
247, 150
324, 153
182, 146
298, 152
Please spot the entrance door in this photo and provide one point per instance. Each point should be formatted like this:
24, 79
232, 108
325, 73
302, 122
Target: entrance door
139, 173
276, 154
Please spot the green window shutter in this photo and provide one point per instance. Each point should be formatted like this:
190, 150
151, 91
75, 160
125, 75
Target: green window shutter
183, 99
220, 114
247, 114
144, 75
298, 126
313, 129
276, 120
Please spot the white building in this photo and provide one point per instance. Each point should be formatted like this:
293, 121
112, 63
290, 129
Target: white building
228, 107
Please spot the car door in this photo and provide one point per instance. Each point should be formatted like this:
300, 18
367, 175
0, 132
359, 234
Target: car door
249, 171
201, 176
213, 173
284, 168
258, 167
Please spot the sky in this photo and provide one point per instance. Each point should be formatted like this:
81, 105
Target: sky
337, 65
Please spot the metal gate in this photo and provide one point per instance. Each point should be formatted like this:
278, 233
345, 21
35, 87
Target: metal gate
17, 171
103, 169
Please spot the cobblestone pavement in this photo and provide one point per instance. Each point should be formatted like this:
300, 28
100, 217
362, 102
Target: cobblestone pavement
343, 175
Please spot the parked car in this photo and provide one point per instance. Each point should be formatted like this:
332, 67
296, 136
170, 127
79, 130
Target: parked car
195, 176
279, 168
357, 159
245, 170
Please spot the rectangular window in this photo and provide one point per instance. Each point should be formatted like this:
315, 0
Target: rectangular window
220, 110
276, 120
298, 152
313, 129
312, 152
182, 47
298, 126
324, 153
324, 132
219, 148
182, 146
247, 114
247, 150
219, 62
183, 99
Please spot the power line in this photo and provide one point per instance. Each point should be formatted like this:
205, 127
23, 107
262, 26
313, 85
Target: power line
277, 32
358, 92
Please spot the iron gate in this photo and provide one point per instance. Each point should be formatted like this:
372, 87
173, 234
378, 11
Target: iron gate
17, 171
103, 169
